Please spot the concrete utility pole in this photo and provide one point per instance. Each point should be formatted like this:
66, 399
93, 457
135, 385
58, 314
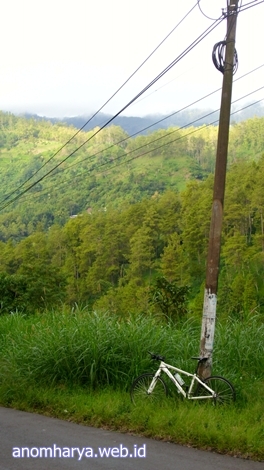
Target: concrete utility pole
213, 259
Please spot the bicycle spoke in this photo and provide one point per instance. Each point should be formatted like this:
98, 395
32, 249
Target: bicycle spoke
139, 389
224, 390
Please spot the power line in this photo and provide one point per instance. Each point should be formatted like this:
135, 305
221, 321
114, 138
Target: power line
250, 5
161, 120
116, 143
162, 86
172, 141
206, 16
186, 135
241, 7
161, 74
156, 140
111, 97
219, 48
218, 53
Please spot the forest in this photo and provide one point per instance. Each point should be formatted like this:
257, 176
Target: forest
122, 224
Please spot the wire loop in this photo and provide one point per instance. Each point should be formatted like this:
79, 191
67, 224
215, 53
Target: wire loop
218, 57
209, 17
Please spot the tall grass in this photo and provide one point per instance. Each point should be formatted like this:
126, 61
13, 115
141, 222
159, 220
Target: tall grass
97, 350
79, 366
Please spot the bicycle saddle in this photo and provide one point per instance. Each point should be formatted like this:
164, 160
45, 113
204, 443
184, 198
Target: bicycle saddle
200, 359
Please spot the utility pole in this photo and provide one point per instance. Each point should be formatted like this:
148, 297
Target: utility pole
213, 258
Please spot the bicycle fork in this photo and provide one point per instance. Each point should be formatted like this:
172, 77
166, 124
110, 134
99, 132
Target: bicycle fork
154, 381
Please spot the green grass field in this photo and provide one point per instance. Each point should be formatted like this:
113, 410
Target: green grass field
79, 366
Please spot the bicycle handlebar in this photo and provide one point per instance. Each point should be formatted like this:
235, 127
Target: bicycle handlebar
156, 357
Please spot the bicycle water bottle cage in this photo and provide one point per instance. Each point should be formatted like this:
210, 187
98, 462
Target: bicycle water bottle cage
156, 357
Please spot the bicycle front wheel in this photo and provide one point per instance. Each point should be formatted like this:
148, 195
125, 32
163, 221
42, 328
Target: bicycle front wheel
139, 389
225, 392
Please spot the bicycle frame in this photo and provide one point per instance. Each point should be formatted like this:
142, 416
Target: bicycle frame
163, 367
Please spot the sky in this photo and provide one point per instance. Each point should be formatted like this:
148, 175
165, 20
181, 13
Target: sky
66, 58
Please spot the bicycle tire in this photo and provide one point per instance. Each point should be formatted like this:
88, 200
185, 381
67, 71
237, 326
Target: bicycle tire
225, 392
139, 389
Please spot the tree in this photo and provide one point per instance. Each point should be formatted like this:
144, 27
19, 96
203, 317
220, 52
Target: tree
141, 256
170, 299
173, 261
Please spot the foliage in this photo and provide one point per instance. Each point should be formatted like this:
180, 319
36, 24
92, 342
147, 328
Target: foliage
138, 225
95, 350
79, 366
169, 298
30, 292
14, 294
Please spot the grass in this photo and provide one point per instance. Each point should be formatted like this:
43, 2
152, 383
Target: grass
79, 366
231, 430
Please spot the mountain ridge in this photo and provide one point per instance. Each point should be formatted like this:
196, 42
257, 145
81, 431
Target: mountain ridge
149, 123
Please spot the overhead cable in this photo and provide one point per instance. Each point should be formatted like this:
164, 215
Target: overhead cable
206, 16
106, 102
156, 148
161, 74
157, 122
250, 5
156, 140
90, 157
186, 135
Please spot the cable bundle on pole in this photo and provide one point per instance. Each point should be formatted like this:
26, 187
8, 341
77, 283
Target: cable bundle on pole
218, 57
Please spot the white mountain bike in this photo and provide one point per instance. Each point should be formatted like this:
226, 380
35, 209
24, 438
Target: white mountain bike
151, 386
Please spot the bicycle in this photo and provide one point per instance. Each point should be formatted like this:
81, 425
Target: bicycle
152, 387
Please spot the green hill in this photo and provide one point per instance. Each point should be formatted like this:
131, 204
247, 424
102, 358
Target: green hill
109, 169
121, 212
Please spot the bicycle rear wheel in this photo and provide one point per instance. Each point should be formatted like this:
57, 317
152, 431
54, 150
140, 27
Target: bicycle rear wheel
139, 389
225, 392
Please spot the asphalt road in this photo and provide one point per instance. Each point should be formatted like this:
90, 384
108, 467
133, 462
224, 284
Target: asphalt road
30, 441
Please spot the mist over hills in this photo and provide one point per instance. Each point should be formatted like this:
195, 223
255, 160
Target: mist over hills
147, 124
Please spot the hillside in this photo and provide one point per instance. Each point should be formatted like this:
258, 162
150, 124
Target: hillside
120, 212
108, 170
99, 175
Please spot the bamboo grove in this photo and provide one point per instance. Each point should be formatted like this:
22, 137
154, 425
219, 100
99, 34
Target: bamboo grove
132, 238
